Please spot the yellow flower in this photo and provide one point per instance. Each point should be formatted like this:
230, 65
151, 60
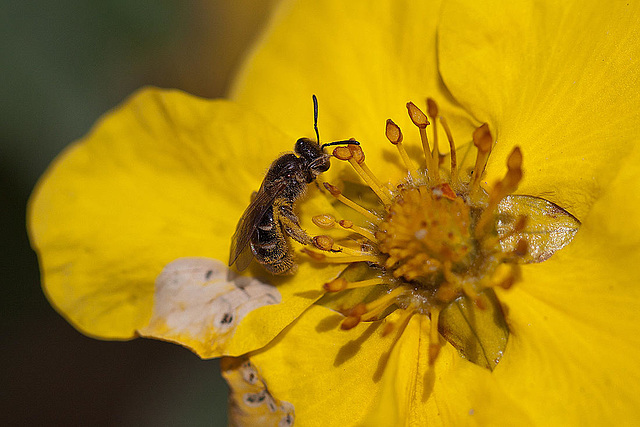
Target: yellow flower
167, 176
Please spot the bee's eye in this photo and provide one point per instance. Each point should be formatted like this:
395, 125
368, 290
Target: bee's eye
324, 166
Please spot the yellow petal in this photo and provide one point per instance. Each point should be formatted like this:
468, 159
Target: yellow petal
576, 319
331, 376
558, 79
364, 63
165, 176
370, 380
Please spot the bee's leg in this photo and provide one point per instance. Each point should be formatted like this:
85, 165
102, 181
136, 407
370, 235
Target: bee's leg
282, 266
290, 224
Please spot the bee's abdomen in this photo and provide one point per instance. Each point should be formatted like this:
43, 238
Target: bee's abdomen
270, 247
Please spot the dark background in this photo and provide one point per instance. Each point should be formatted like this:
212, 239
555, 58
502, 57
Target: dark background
64, 63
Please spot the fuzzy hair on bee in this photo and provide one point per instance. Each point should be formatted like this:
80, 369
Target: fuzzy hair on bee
264, 228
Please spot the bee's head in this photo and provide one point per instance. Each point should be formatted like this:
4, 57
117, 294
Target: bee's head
312, 154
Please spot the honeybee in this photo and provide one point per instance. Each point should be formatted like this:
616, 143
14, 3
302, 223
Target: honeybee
261, 231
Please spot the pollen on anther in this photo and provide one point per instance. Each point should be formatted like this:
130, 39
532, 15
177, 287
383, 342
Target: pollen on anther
342, 153
393, 132
336, 285
417, 116
345, 223
325, 221
482, 138
335, 191
432, 108
356, 153
323, 242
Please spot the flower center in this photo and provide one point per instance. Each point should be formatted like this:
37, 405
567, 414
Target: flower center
436, 238
425, 230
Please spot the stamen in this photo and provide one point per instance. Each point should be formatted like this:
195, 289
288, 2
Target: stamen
327, 244
432, 111
434, 240
402, 321
335, 192
489, 243
483, 141
518, 227
325, 221
522, 247
501, 189
348, 250
328, 221
348, 225
379, 305
340, 284
420, 120
327, 258
394, 135
458, 282
355, 156
455, 183
354, 317
324, 243
504, 276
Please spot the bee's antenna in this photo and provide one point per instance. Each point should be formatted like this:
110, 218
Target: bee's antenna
315, 117
315, 126
346, 141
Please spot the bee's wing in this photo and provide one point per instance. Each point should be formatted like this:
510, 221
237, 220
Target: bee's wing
240, 252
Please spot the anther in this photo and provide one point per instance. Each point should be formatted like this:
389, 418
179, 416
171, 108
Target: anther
520, 224
401, 323
325, 221
417, 116
393, 132
501, 189
522, 247
432, 111
349, 225
432, 108
505, 275
452, 153
352, 320
323, 242
483, 140
356, 153
518, 227
345, 223
394, 135
336, 285
420, 120
342, 153
514, 173
340, 284
335, 191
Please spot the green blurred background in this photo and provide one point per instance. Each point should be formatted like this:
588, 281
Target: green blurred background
66, 62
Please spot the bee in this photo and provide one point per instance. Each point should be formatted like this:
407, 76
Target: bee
261, 231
